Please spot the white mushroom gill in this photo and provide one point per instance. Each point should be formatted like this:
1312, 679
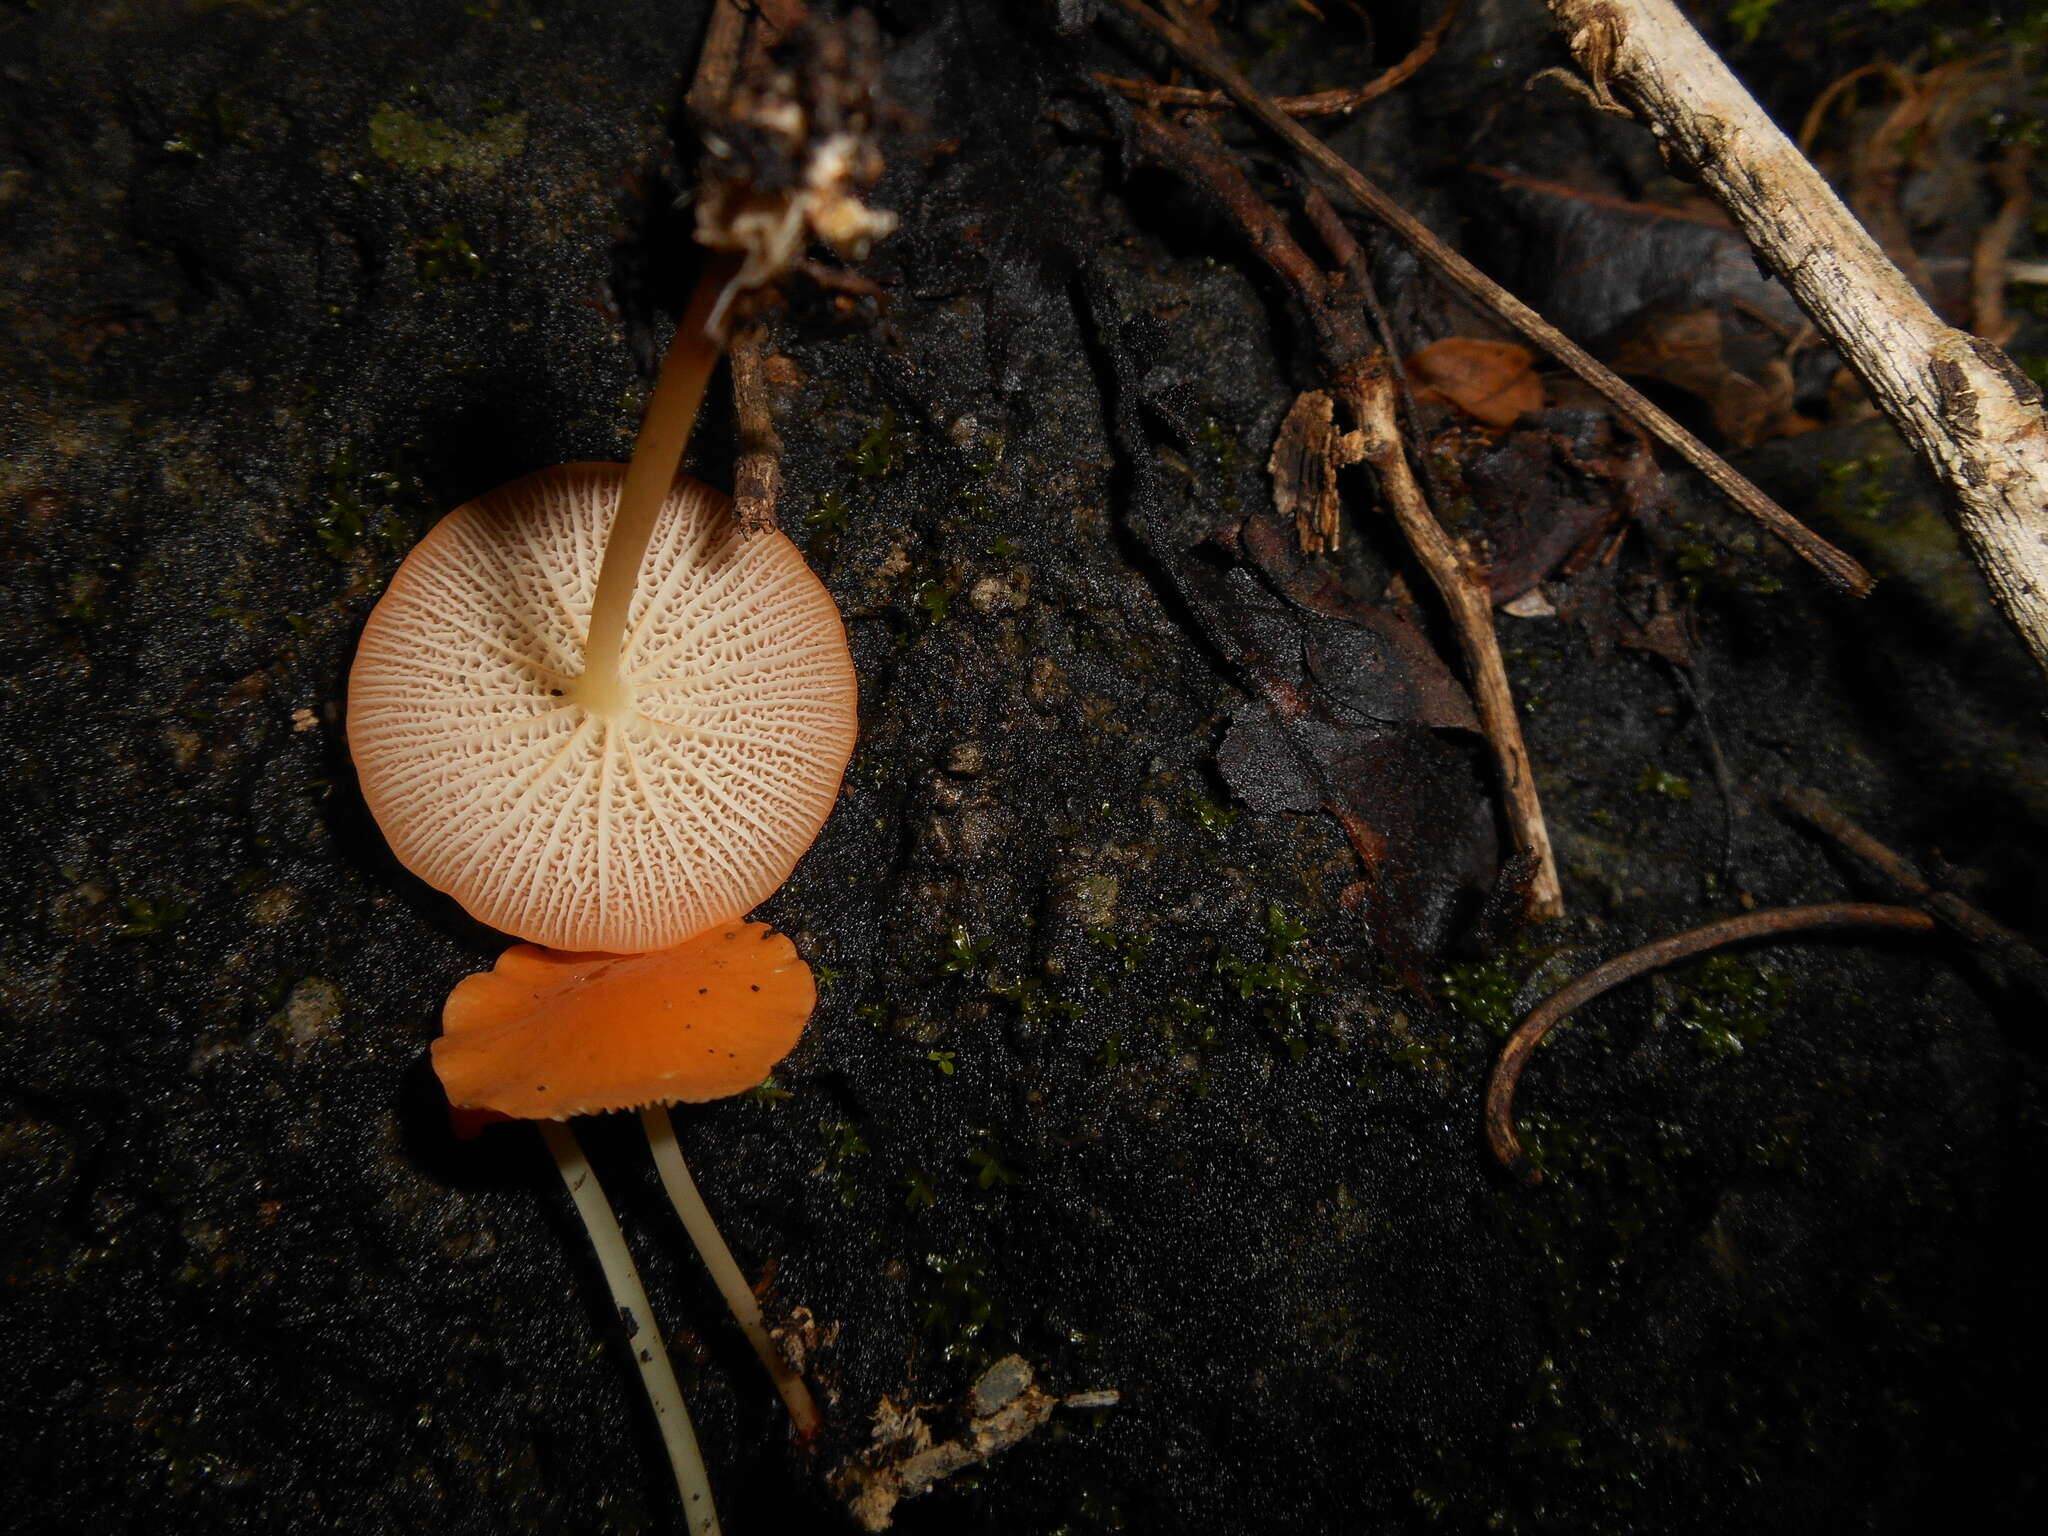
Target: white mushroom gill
624, 819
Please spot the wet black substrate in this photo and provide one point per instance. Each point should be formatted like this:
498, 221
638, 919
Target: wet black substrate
1105, 1073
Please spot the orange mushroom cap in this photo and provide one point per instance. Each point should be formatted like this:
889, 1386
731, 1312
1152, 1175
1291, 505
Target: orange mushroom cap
544, 1034
620, 829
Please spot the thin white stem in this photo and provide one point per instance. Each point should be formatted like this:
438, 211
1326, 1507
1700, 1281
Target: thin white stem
682, 1193
630, 1297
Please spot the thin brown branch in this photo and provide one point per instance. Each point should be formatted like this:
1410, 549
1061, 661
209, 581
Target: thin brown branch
1713, 218
1993, 247
1194, 155
1336, 103
1335, 234
739, 32
2014, 952
1775, 922
1310, 449
1498, 302
1816, 115
1369, 390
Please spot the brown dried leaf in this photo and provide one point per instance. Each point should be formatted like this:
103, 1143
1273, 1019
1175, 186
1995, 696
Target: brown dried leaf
1494, 381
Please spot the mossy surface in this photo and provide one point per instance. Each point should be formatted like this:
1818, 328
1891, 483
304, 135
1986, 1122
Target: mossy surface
414, 143
1106, 1070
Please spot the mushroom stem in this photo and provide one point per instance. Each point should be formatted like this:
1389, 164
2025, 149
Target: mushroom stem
689, 1204
630, 1297
657, 454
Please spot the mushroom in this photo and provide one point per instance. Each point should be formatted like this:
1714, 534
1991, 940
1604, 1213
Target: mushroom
602, 719
544, 1035
618, 807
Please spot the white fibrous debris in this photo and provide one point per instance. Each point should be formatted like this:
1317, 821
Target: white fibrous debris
575, 829
772, 230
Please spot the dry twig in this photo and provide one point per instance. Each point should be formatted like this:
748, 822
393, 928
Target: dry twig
1502, 305
1989, 263
1369, 390
1773, 923
1311, 448
757, 477
1337, 103
2018, 956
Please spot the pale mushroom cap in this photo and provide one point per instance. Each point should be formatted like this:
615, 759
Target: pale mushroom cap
579, 830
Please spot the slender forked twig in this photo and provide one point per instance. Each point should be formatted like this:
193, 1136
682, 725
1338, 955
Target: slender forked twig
1336, 103
1462, 586
2013, 951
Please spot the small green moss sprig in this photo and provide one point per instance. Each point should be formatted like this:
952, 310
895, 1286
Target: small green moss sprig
1729, 1006
1279, 984
149, 917
844, 1147
1034, 1001
882, 450
963, 954
361, 505
446, 258
829, 514
958, 1310
1482, 993
1127, 950
986, 1163
769, 1093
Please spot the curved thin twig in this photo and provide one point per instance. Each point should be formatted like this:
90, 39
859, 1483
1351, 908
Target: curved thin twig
1773, 922
1337, 103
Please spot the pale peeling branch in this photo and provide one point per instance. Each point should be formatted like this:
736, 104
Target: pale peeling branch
1970, 414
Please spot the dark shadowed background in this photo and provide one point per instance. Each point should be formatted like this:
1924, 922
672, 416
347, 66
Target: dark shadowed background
1116, 1066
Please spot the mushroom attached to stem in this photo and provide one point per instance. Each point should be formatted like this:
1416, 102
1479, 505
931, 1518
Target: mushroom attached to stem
545, 1035
590, 709
603, 720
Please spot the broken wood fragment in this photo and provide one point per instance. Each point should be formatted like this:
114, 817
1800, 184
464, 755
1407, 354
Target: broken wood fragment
757, 477
1306, 457
2010, 949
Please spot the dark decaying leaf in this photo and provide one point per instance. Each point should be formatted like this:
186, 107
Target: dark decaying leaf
1591, 262
1361, 701
1750, 398
1547, 493
1421, 792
